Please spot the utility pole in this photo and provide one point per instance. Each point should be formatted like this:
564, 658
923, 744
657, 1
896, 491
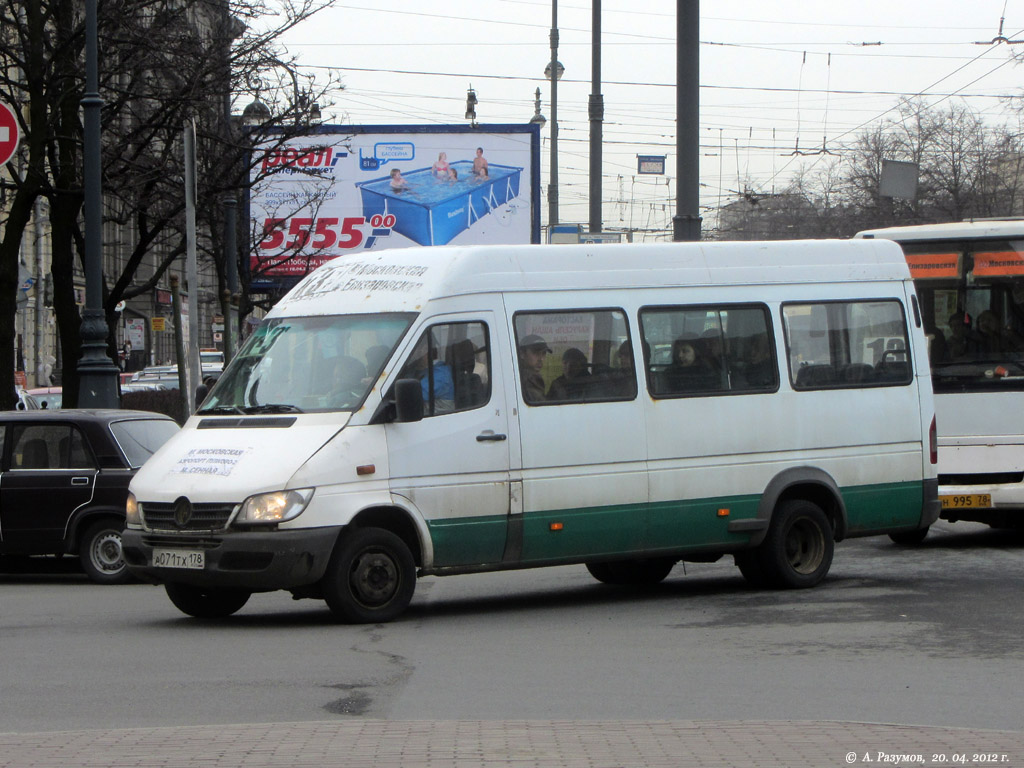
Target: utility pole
686, 222
596, 110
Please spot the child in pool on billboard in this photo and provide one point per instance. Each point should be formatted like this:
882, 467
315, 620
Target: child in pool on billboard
398, 183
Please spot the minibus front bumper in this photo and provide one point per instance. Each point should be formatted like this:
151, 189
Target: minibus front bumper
258, 561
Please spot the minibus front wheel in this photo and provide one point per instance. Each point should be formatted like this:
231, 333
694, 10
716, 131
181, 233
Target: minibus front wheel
206, 602
797, 552
371, 577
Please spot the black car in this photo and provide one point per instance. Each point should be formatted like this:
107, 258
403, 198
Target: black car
64, 478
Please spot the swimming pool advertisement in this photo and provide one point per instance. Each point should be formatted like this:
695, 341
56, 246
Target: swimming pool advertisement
346, 190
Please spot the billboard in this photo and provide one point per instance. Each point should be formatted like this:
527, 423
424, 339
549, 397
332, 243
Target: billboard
348, 189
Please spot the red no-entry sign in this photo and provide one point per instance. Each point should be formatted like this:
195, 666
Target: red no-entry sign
9, 133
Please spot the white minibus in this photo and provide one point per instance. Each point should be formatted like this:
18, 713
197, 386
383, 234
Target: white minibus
442, 411
969, 278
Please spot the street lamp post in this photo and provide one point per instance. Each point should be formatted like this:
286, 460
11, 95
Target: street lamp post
554, 72
538, 119
97, 374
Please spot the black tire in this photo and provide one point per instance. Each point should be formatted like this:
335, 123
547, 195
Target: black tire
101, 555
797, 552
749, 563
371, 577
206, 602
633, 573
909, 538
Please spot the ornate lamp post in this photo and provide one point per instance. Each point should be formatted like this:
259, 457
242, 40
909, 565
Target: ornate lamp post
97, 373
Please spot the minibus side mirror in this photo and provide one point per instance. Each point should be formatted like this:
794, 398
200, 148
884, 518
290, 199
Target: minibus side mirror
408, 400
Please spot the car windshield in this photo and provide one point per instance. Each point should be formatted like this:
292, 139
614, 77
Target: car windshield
140, 438
308, 364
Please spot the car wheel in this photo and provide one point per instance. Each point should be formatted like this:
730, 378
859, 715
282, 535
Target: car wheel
206, 602
797, 552
371, 577
635, 573
101, 555
909, 538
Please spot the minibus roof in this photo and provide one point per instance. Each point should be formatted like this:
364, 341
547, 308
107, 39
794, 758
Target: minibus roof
405, 279
956, 230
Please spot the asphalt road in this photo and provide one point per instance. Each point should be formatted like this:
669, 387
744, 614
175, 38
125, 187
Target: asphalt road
928, 635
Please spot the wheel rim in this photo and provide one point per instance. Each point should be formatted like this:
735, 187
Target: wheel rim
805, 546
106, 554
374, 578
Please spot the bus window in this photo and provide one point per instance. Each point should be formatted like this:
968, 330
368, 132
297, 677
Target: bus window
847, 344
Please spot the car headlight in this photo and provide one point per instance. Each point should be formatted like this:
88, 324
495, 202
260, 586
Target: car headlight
133, 512
275, 507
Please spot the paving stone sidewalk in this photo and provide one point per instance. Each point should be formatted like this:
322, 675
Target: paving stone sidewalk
516, 744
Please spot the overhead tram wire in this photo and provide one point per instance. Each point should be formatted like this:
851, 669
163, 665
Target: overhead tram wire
766, 89
922, 92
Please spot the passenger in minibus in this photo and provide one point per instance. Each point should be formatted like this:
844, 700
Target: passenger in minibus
418, 367
689, 372
573, 383
532, 352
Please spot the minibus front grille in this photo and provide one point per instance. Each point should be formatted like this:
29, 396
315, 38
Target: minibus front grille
205, 517
983, 478
258, 422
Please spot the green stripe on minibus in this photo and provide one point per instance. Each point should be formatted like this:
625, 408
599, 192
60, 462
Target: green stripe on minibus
632, 529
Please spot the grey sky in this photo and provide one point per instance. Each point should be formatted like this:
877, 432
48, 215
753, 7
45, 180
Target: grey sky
776, 77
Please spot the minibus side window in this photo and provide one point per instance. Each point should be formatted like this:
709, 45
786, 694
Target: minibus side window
847, 344
453, 364
708, 350
575, 356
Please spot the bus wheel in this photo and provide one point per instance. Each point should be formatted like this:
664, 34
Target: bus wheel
206, 602
909, 538
797, 552
371, 577
632, 572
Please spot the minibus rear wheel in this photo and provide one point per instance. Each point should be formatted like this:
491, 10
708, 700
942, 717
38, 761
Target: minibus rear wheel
206, 602
797, 552
749, 563
371, 577
909, 538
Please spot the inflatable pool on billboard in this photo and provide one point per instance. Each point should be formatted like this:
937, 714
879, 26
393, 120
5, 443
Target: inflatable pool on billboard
433, 211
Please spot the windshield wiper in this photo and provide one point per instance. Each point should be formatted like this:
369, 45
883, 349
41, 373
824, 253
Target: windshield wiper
272, 408
221, 409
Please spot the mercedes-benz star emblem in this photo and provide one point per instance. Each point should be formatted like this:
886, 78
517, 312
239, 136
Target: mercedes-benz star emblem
182, 512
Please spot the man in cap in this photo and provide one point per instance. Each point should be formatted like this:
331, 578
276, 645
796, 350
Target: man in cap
532, 352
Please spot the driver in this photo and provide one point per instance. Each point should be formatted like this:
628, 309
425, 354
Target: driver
348, 380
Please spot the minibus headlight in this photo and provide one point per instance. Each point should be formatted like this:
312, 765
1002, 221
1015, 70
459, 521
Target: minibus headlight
275, 507
133, 512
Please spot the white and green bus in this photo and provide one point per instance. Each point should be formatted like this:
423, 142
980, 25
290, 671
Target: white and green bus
970, 282
435, 411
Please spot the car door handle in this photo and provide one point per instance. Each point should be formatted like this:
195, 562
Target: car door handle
79, 480
490, 437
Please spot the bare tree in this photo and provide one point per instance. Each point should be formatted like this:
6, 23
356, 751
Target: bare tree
161, 63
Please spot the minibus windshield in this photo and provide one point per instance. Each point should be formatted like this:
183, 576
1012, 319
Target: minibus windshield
308, 364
